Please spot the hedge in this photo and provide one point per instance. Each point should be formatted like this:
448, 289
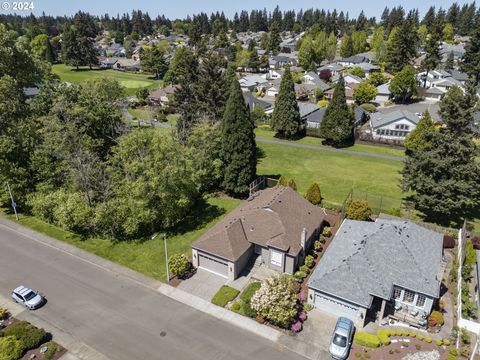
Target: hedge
52, 348
224, 295
384, 337
10, 348
29, 335
366, 339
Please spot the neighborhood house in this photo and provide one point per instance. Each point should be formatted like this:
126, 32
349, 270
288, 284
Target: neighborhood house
394, 125
277, 224
375, 270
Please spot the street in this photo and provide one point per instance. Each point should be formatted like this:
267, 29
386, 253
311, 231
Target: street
117, 316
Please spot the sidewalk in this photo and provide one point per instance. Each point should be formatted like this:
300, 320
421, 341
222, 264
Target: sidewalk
294, 344
75, 349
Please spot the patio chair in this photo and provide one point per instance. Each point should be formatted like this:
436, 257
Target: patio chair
398, 307
422, 322
414, 312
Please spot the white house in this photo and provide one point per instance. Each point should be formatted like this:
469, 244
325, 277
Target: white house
394, 125
383, 94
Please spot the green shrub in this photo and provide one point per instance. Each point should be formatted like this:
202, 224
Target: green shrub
405, 344
453, 351
358, 210
366, 339
309, 261
384, 337
29, 335
300, 275
305, 269
420, 337
391, 351
369, 107
451, 357
10, 348
317, 245
446, 342
179, 265
428, 339
307, 307
413, 334
224, 295
435, 318
236, 306
52, 348
399, 332
3, 313
327, 232
245, 298
418, 347
438, 342
406, 333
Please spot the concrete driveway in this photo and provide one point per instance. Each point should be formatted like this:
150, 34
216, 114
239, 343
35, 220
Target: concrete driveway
203, 284
318, 329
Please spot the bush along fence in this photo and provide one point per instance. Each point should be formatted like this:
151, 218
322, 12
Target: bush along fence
464, 261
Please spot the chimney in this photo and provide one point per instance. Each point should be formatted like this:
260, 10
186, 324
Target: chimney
303, 238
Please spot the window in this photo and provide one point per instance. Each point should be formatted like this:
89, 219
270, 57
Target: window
276, 258
398, 126
397, 293
408, 296
421, 301
406, 127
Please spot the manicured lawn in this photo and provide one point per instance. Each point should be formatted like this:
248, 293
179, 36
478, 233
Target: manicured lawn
224, 295
146, 256
130, 81
263, 133
336, 173
140, 113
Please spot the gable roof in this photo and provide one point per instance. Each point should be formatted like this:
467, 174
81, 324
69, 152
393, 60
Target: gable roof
251, 101
307, 108
369, 258
459, 75
379, 119
384, 89
353, 77
272, 217
318, 115
315, 79
355, 59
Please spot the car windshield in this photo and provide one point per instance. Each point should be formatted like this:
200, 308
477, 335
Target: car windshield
340, 340
30, 296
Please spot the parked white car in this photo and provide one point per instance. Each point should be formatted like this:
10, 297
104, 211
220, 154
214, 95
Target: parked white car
341, 339
26, 296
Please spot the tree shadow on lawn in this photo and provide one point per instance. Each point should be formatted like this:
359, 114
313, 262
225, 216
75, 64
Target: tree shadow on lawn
201, 215
82, 69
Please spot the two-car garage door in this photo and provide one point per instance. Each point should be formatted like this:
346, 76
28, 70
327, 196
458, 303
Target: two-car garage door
335, 307
213, 264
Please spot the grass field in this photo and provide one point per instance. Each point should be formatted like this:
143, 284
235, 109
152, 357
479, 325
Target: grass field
263, 133
336, 173
146, 256
130, 81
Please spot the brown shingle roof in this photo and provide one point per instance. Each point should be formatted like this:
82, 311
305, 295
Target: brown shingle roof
273, 217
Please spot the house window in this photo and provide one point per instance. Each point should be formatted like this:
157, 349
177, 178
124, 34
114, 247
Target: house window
421, 301
397, 126
406, 127
276, 258
397, 293
408, 296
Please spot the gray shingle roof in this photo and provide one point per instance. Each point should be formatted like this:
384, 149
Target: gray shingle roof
379, 119
369, 258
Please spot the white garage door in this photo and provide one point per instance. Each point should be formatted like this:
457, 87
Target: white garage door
334, 307
212, 264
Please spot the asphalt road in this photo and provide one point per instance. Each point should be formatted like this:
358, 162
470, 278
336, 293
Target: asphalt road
115, 315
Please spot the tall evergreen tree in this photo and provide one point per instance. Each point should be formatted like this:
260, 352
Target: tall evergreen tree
420, 138
402, 48
274, 38
449, 63
346, 46
432, 51
471, 58
286, 116
238, 143
444, 175
337, 125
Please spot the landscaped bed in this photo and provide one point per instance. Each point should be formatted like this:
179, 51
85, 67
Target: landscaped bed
225, 295
22, 340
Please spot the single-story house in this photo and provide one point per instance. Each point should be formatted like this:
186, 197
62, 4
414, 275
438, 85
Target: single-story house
279, 61
127, 65
383, 94
459, 76
433, 94
314, 119
162, 96
349, 88
312, 78
108, 63
353, 60
394, 125
272, 74
335, 69
368, 67
252, 82
277, 224
252, 102
373, 270
352, 79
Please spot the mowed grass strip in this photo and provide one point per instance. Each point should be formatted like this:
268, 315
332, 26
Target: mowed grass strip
146, 256
336, 173
130, 81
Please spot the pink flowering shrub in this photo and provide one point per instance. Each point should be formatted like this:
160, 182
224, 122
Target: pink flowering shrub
296, 326
276, 300
301, 297
302, 316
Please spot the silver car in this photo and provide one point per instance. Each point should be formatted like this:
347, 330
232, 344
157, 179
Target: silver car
341, 339
26, 296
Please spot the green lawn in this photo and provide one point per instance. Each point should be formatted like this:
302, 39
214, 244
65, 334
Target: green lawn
140, 113
336, 173
130, 81
263, 133
147, 256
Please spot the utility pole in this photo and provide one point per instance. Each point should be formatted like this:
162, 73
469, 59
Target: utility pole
166, 256
14, 204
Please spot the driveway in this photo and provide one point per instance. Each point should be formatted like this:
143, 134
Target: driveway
318, 328
118, 314
203, 284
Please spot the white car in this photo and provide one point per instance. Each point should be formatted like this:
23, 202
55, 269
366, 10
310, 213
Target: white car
26, 296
